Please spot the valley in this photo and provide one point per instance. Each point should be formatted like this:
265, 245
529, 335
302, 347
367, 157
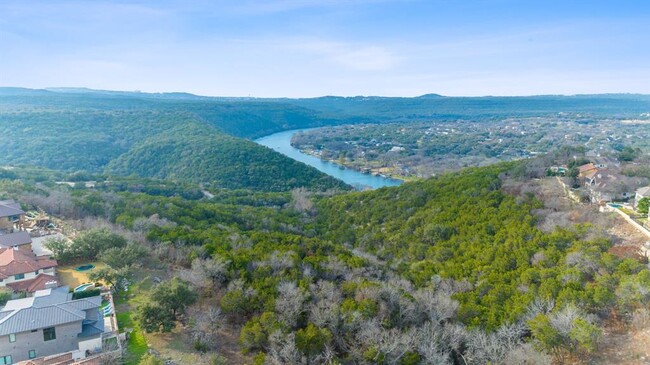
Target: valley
220, 250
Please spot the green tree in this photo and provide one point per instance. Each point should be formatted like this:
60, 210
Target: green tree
642, 205
153, 318
90, 244
61, 249
628, 154
120, 257
312, 340
118, 278
174, 296
5, 295
585, 334
547, 336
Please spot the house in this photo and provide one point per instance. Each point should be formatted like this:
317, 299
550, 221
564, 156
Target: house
641, 193
21, 240
591, 178
11, 216
586, 169
25, 272
49, 323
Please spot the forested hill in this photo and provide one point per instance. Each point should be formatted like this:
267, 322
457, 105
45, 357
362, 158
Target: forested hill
201, 154
194, 138
126, 135
449, 270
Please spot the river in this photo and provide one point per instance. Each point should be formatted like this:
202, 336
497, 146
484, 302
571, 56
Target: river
281, 142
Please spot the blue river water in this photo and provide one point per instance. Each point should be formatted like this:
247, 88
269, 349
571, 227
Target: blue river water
281, 142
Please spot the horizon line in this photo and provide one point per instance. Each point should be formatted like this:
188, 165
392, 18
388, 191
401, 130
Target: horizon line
81, 89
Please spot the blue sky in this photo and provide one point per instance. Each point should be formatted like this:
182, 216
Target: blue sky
304, 48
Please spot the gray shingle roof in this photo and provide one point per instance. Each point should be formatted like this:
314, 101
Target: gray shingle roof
48, 308
643, 191
9, 208
15, 239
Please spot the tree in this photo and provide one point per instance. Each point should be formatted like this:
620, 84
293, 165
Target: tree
174, 296
120, 257
628, 154
546, 335
585, 334
312, 340
118, 278
642, 205
5, 296
60, 249
289, 304
153, 318
91, 243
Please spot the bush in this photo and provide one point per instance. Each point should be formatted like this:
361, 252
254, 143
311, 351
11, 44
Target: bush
86, 294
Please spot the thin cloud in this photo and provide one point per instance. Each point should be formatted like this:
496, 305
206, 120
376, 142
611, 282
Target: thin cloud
351, 56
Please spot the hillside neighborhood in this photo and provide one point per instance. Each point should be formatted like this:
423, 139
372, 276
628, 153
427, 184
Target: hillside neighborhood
43, 320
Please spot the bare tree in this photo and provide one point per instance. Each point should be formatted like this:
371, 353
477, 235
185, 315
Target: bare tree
437, 307
301, 201
289, 303
525, 354
282, 350
204, 326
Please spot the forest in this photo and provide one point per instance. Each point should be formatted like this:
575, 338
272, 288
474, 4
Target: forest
452, 269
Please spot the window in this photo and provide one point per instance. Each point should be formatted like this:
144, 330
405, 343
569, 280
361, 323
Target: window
5, 360
12, 337
32, 354
19, 276
36, 272
49, 334
34, 330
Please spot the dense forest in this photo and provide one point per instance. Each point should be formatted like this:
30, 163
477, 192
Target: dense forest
447, 270
72, 133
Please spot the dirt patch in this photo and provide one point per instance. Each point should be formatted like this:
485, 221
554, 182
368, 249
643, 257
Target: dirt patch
623, 345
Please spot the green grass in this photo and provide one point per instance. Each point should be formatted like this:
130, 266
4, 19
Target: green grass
137, 345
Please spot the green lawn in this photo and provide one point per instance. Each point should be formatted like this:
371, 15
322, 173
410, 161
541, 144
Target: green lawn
137, 345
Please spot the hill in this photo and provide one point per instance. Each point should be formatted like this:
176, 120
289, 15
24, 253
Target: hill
126, 135
196, 153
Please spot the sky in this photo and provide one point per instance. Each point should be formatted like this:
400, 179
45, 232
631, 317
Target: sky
307, 48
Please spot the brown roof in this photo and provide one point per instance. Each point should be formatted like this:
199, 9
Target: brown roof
40, 282
586, 168
13, 262
591, 175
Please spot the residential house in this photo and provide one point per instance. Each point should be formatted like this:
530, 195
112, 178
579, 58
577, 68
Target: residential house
586, 169
49, 323
21, 240
25, 272
591, 178
641, 193
11, 216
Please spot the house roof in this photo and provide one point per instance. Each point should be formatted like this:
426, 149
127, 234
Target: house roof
47, 308
591, 175
14, 261
644, 191
40, 282
10, 203
15, 239
587, 167
9, 208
